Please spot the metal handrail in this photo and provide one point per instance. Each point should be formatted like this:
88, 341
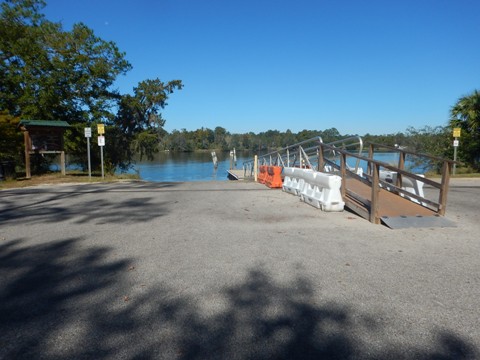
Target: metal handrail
372, 179
283, 153
343, 142
328, 154
290, 155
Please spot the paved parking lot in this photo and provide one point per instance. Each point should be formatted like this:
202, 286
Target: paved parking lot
230, 270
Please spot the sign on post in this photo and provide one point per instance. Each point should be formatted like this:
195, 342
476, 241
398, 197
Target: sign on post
101, 143
88, 135
456, 134
101, 129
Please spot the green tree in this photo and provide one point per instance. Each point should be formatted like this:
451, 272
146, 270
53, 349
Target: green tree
428, 140
203, 138
220, 138
465, 114
139, 115
49, 73
142, 110
330, 135
307, 134
178, 141
288, 138
11, 139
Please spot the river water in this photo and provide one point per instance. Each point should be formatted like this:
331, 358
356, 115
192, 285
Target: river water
198, 166
194, 166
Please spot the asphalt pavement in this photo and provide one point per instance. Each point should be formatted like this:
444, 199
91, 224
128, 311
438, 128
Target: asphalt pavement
230, 270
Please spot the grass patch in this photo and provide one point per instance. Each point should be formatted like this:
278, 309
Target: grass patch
58, 178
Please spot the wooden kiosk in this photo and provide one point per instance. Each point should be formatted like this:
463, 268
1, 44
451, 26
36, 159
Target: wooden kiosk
43, 137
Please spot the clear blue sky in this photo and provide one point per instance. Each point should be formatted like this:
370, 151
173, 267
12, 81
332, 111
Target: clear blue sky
252, 65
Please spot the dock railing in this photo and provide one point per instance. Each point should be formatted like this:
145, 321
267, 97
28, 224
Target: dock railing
344, 157
373, 180
305, 154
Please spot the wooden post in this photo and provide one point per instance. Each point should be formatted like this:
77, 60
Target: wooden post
401, 160
375, 195
321, 163
442, 200
255, 168
28, 147
401, 166
62, 162
343, 173
370, 156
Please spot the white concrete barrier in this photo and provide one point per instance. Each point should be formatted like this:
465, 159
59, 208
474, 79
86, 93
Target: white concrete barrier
408, 184
309, 193
290, 182
294, 180
322, 191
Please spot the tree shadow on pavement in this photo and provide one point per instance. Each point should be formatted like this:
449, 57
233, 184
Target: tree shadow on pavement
61, 300
83, 204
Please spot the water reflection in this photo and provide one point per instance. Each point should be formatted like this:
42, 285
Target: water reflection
196, 166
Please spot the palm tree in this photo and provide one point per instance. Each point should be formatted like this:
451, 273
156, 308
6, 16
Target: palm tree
466, 113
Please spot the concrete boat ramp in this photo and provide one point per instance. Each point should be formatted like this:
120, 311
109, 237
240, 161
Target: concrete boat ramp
230, 270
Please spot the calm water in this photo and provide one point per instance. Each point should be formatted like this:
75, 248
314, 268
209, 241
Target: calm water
169, 166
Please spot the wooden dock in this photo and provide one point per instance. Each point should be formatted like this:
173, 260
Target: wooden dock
235, 174
394, 210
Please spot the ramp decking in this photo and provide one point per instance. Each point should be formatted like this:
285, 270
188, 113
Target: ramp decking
393, 210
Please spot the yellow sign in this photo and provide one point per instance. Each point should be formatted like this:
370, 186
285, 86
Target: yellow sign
456, 132
101, 129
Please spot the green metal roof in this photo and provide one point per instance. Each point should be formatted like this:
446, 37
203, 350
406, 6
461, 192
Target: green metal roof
53, 123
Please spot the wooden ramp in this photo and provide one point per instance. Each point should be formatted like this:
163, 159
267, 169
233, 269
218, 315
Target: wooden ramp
235, 174
394, 210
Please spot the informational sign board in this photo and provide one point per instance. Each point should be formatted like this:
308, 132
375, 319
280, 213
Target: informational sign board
101, 141
101, 129
456, 132
455, 143
88, 132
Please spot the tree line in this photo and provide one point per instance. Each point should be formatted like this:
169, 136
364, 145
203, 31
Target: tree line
221, 139
49, 73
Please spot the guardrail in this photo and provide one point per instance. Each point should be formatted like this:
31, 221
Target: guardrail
334, 158
372, 179
305, 154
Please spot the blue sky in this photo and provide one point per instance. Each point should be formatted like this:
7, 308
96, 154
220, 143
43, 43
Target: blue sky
360, 66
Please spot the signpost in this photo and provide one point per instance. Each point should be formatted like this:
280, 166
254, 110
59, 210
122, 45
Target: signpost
101, 143
456, 135
88, 135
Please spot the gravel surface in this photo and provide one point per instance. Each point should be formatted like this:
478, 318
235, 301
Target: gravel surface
230, 270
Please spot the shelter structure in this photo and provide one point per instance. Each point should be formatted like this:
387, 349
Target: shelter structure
43, 137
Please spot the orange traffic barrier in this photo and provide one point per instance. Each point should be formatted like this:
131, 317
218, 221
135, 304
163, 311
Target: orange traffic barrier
262, 176
274, 177
269, 177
